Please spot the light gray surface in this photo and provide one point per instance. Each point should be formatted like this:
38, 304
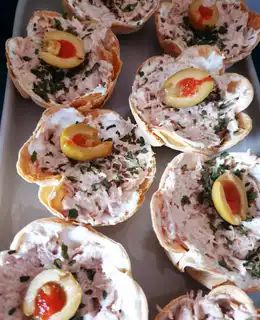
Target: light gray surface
18, 199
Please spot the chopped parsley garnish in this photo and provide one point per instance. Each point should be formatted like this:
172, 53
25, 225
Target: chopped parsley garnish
208, 36
11, 251
251, 195
141, 73
110, 127
72, 179
90, 274
58, 263
64, 251
129, 7
24, 278
25, 58
73, 214
104, 294
77, 318
223, 264
11, 311
221, 126
57, 24
252, 264
34, 156
89, 292
185, 200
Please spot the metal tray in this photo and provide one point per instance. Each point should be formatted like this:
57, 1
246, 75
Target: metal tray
19, 201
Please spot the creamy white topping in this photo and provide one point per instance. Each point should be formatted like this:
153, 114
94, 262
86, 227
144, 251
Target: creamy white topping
130, 12
221, 306
185, 211
95, 262
104, 190
231, 34
206, 124
60, 86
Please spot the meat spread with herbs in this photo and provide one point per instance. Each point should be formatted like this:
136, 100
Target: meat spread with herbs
231, 33
184, 212
130, 12
47, 84
98, 264
206, 125
103, 191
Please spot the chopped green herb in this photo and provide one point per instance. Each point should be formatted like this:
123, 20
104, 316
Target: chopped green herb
24, 278
11, 311
34, 156
251, 196
104, 294
185, 200
129, 7
72, 179
11, 251
224, 154
25, 58
73, 214
89, 292
58, 263
141, 73
223, 264
57, 24
253, 263
64, 251
90, 274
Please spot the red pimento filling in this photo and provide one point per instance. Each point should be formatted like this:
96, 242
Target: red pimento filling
232, 196
84, 141
206, 13
189, 86
50, 299
67, 49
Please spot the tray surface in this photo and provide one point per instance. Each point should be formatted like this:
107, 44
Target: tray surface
19, 201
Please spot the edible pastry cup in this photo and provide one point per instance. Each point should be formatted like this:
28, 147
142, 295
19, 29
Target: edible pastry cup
228, 24
189, 103
56, 269
192, 219
64, 62
225, 300
93, 168
122, 17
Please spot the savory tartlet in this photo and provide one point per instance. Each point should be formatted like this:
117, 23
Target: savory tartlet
189, 104
228, 24
93, 168
214, 243
224, 302
57, 270
64, 62
121, 16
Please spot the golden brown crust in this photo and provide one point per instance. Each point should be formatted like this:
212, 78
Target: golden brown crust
117, 27
172, 48
110, 52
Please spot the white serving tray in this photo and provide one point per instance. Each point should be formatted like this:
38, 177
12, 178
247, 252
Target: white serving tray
19, 201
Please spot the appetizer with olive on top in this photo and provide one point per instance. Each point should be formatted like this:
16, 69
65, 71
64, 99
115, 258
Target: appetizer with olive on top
58, 270
206, 215
93, 168
227, 24
189, 104
64, 62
